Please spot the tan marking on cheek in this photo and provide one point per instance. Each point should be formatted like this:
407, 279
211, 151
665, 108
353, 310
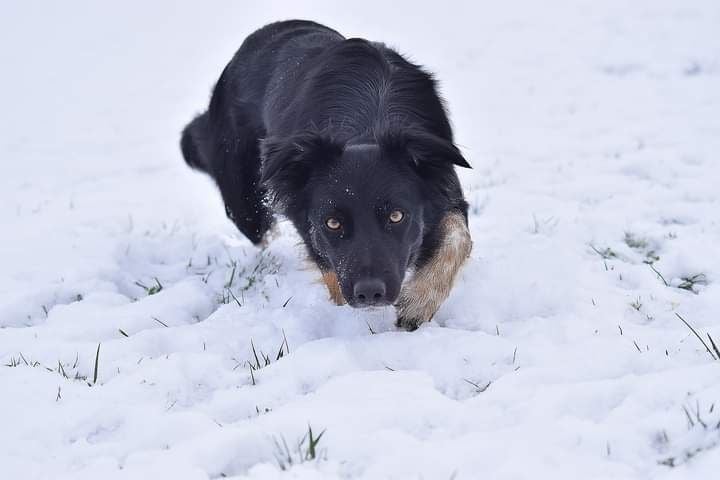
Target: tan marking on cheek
331, 282
422, 295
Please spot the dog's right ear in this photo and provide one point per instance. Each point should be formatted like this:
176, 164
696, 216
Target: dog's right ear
288, 162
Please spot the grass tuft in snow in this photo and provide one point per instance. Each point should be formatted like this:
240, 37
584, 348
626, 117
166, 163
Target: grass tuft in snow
545, 225
261, 360
641, 245
716, 354
478, 388
703, 434
266, 265
633, 241
229, 283
151, 290
62, 369
305, 451
160, 322
659, 275
605, 254
97, 364
689, 282
715, 348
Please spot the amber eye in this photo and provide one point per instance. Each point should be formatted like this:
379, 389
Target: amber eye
396, 216
333, 223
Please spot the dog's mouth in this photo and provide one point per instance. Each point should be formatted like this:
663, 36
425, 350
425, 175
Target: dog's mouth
369, 305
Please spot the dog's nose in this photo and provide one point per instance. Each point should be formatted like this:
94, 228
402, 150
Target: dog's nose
370, 291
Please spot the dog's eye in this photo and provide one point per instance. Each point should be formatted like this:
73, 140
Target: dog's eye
396, 216
333, 223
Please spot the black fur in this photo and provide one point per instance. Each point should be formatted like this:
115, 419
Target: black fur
306, 123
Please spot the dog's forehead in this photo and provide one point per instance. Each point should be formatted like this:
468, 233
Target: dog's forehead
371, 191
369, 158
360, 156
363, 166
363, 176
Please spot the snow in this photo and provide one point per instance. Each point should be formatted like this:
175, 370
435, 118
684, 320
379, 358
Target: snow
593, 129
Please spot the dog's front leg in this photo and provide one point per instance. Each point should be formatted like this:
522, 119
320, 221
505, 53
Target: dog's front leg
422, 295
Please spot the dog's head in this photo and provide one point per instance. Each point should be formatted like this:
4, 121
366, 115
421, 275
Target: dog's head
364, 208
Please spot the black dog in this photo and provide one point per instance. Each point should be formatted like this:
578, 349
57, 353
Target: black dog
351, 142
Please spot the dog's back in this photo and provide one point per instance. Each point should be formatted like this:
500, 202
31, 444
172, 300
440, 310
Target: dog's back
299, 74
272, 51
223, 141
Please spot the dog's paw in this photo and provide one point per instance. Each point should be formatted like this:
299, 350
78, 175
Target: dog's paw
413, 311
409, 317
408, 323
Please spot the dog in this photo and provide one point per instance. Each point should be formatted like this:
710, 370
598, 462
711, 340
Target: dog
352, 143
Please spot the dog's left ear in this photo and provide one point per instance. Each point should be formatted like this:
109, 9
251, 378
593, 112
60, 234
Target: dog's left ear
288, 162
424, 148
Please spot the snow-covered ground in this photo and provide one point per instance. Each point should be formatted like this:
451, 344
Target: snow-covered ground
594, 132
